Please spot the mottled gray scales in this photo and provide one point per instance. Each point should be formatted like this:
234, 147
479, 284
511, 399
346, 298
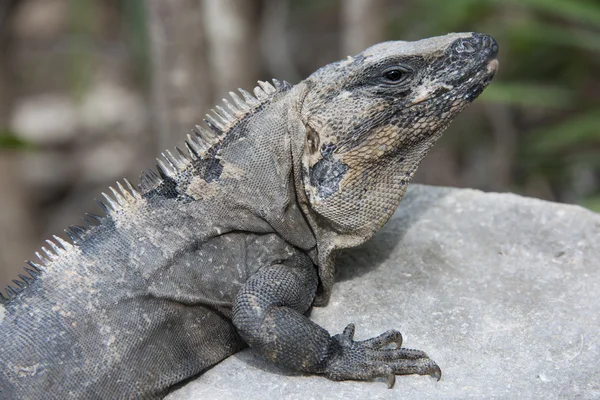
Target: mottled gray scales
233, 239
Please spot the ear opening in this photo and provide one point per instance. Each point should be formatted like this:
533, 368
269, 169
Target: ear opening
312, 140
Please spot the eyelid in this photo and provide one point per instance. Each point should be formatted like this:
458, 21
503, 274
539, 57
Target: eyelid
407, 70
402, 68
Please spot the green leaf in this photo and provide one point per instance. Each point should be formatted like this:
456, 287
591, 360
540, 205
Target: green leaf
9, 141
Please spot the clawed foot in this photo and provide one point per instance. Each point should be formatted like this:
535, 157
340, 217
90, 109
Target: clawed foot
380, 356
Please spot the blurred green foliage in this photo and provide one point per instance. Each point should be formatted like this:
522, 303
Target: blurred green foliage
8, 140
136, 34
81, 25
83, 17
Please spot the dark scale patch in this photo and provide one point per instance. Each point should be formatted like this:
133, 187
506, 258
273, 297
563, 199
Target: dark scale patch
406, 118
327, 174
168, 189
474, 91
438, 107
327, 149
209, 169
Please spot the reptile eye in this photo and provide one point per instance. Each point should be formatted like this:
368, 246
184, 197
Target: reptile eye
395, 75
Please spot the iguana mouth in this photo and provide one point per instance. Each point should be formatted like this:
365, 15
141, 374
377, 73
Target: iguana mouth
490, 71
488, 74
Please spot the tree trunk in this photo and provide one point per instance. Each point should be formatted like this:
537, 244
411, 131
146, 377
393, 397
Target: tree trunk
180, 81
231, 32
275, 43
364, 23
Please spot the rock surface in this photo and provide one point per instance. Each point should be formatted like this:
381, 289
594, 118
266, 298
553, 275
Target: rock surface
503, 292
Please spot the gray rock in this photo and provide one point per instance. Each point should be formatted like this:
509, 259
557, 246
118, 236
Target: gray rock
502, 291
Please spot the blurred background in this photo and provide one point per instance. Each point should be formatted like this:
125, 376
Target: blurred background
92, 90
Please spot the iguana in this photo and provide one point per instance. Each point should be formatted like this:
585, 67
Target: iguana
234, 239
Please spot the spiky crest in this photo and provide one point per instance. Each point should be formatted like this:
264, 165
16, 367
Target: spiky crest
219, 123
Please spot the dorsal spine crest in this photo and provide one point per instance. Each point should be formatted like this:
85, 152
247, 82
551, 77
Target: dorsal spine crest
218, 124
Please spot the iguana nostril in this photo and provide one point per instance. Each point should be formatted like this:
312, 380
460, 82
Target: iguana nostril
477, 44
466, 46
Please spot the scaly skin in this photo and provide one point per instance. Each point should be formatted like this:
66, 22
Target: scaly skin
234, 242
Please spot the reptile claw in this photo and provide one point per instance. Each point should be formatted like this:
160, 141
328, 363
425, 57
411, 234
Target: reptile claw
391, 380
436, 373
349, 332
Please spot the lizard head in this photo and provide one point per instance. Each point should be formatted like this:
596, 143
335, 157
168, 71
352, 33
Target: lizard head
371, 118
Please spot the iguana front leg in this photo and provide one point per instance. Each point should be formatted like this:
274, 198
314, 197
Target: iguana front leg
269, 315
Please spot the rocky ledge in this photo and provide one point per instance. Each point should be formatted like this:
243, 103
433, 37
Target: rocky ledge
502, 291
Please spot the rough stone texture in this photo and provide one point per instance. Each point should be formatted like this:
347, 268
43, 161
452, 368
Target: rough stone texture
500, 290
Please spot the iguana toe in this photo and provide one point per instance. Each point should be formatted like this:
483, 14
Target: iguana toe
375, 357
